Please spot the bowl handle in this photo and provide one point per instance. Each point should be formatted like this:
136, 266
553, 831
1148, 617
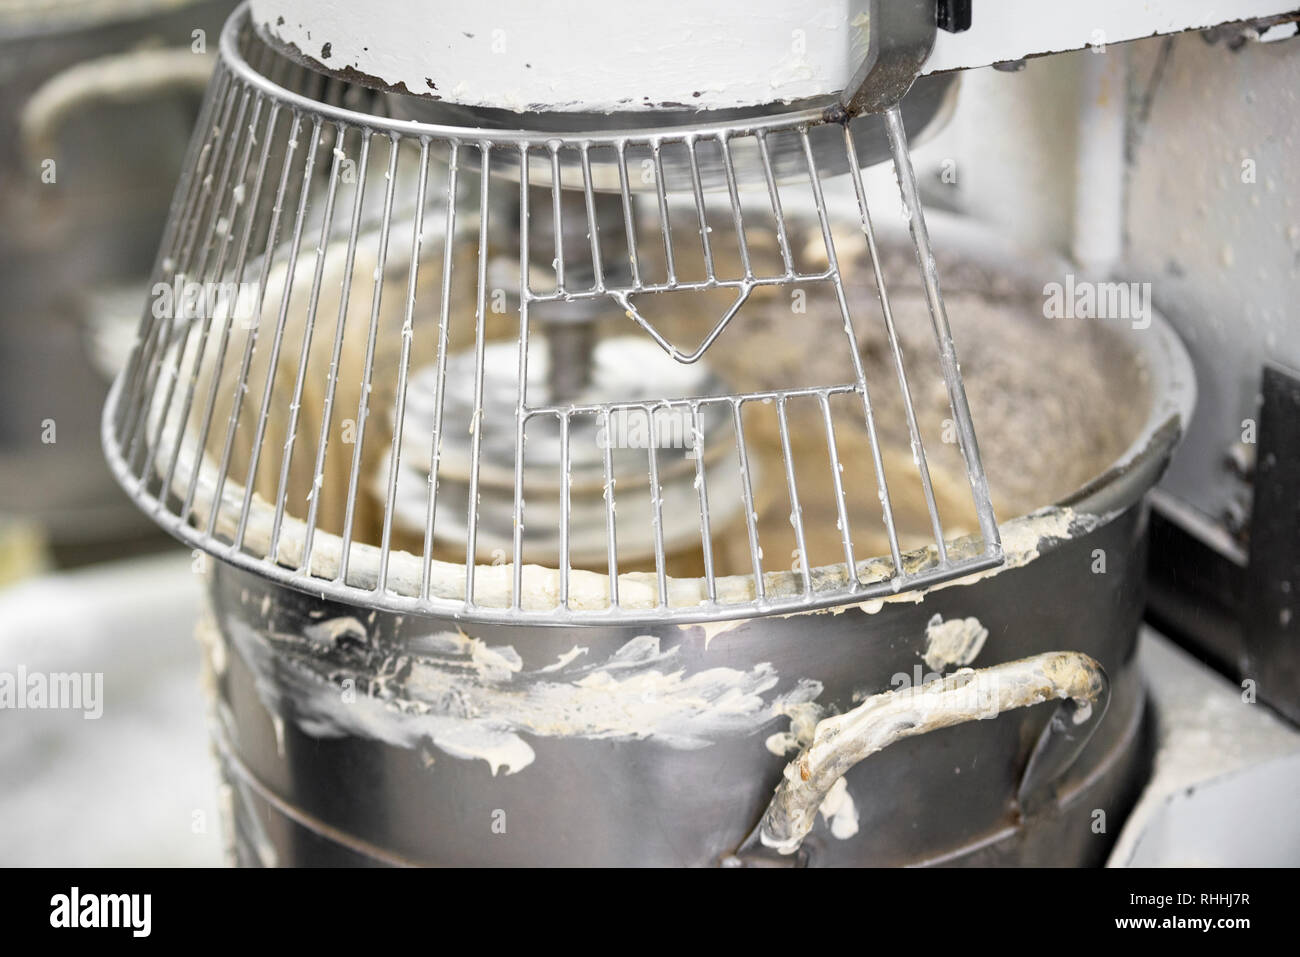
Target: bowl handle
841, 741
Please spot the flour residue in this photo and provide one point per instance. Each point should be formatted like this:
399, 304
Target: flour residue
564, 660
477, 701
801, 707
1022, 541
839, 811
956, 641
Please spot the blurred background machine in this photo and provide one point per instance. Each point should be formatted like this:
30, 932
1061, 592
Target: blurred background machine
97, 96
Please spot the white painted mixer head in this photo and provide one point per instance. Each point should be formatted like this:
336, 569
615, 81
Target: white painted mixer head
681, 56
522, 55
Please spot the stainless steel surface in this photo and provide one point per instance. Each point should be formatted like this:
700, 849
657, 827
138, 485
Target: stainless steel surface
164, 435
324, 781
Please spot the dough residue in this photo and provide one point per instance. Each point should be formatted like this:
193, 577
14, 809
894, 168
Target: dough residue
955, 642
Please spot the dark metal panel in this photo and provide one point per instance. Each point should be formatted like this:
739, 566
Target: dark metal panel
1272, 588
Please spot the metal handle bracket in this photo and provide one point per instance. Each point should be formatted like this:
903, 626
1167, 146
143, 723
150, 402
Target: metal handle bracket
841, 741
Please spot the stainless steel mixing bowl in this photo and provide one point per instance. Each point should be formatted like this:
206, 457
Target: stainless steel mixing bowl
360, 737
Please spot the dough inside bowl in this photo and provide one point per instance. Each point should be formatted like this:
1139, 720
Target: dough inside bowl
1055, 403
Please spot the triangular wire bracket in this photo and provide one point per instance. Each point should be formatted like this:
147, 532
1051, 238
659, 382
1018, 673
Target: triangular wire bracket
742, 294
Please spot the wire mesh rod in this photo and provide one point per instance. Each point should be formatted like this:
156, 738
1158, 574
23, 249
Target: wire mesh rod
410, 449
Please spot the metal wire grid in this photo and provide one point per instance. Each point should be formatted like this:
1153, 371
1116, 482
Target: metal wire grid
228, 221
